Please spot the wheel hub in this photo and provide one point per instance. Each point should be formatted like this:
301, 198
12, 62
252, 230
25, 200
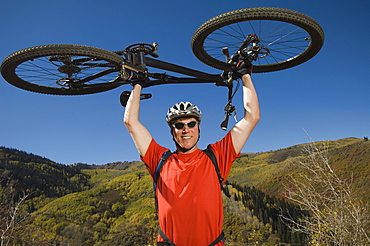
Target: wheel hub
68, 83
69, 69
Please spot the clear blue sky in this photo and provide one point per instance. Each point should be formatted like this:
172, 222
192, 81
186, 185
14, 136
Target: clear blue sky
327, 96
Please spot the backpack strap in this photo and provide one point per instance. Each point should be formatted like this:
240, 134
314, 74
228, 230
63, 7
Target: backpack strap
164, 158
212, 156
165, 238
218, 239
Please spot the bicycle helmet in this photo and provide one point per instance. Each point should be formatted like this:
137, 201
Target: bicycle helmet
183, 109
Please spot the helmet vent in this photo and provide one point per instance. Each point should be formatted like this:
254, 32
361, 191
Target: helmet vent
183, 108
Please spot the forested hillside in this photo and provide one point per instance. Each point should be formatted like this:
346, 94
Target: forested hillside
113, 204
268, 171
37, 175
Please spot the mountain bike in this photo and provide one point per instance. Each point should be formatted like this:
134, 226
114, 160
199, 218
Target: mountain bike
272, 38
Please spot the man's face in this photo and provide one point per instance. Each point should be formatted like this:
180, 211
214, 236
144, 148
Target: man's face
186, 134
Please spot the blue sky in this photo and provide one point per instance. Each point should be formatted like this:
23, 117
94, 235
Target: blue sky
327, 96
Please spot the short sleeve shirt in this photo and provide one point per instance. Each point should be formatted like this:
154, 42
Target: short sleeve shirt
190, 209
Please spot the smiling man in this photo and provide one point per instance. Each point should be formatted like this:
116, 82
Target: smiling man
190, 209
184, 119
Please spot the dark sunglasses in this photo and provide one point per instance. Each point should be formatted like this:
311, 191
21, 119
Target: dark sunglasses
180, 125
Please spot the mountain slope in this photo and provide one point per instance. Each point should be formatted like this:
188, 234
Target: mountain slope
113, 203
37, 175
268, 171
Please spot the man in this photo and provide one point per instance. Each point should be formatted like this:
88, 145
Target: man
190, 207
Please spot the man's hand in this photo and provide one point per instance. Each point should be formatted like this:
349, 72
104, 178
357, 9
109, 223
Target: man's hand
241, 68
142, 83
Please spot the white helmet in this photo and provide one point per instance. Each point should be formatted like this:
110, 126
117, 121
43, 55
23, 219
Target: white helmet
183, 109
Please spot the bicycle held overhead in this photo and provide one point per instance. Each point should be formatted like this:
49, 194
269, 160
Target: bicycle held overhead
273, 38
188, 180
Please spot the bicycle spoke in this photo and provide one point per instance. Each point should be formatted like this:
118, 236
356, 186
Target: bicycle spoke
283, 40
44, 71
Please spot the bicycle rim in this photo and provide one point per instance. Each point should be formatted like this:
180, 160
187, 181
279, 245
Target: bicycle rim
290, 37
62, 69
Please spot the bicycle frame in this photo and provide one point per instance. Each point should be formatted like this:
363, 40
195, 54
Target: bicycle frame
136, 61
199, 77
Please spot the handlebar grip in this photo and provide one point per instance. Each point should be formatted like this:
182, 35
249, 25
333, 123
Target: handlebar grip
155, 55
145, 96
225, 122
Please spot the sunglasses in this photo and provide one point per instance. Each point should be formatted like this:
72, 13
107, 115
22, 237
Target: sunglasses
180, 125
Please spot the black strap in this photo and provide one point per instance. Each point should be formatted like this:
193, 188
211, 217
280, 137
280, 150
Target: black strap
212, 156
164, 158
170, 243
218, 239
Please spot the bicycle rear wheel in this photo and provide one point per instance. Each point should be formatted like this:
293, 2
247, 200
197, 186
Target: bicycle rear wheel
62, 69
290, 37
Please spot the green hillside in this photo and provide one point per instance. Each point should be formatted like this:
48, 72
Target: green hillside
39, 176
113, 204
120, 211
267, 171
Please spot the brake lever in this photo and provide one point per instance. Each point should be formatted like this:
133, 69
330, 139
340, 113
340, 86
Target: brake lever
226, 53
229, 109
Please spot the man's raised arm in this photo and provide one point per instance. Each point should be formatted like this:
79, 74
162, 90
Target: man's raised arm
140, 135
241, 131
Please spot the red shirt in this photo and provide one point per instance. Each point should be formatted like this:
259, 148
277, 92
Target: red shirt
190, 206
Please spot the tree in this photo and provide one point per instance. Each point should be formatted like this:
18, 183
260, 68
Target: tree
336, 216
118, 209
11, 215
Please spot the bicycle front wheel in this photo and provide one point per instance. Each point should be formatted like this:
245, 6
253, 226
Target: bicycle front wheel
290, 37
62, 69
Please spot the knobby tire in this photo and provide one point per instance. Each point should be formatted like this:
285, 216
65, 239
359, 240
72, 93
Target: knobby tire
230, 29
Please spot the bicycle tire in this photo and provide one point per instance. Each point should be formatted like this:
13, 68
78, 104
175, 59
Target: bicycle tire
226, 27
43, 69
